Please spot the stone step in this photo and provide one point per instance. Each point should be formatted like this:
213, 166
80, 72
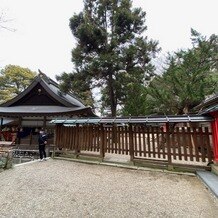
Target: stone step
214, 169
210, 180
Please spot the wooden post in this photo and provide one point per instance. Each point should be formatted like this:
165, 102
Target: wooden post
131, 145
168, 144
102, 150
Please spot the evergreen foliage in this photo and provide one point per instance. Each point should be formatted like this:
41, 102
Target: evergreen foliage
190, 76
111, 51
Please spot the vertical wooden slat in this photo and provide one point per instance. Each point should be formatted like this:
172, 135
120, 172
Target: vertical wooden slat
153, 141
122, 139
60, 133
173, 144
74, 137
184, 136
131, 142
91, 138
71, 138
63, 139
163, 142
178, 138
95, 138
158, 147
195, 140
139, 141
88, 137
84, 138
56, 135
110, 142
114, 138
118, 139
135, 136
80, 138
208, 146
126, 140
102, 141
148, 141
105, 139
190, 146
67, 137
77, 145
168, 143
202, 144
144, 140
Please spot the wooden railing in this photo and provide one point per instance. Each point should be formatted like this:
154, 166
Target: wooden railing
139, 141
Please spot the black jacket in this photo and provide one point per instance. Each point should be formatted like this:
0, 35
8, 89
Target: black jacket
42, 139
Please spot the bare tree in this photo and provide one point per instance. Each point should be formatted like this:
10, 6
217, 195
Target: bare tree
4, 21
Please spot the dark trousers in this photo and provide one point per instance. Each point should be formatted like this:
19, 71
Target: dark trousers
42, 151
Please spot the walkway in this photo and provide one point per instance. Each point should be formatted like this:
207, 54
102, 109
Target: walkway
57, 188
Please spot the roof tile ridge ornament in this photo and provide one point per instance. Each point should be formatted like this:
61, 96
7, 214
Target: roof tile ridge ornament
44, 77
47, 79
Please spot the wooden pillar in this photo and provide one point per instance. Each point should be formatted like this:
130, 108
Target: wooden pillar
131, 145
215, 139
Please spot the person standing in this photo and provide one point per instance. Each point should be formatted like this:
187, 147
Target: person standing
42, 140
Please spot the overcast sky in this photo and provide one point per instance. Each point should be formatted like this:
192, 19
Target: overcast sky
43, 39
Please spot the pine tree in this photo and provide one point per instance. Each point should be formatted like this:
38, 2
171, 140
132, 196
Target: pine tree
191, 75
111, 50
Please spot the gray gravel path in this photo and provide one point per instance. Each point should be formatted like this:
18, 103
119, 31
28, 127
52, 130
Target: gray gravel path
58, 188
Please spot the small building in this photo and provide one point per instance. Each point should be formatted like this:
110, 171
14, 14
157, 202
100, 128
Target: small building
210, 106
35, 107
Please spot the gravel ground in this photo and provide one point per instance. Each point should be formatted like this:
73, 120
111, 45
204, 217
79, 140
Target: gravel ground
56, 188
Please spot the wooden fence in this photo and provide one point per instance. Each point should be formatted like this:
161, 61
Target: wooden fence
138, 141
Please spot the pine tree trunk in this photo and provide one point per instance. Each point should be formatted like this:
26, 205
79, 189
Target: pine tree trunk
113, 104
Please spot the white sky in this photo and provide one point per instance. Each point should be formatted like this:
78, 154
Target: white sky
43, 39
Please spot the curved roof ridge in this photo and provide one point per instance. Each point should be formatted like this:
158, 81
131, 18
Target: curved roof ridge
52, 82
